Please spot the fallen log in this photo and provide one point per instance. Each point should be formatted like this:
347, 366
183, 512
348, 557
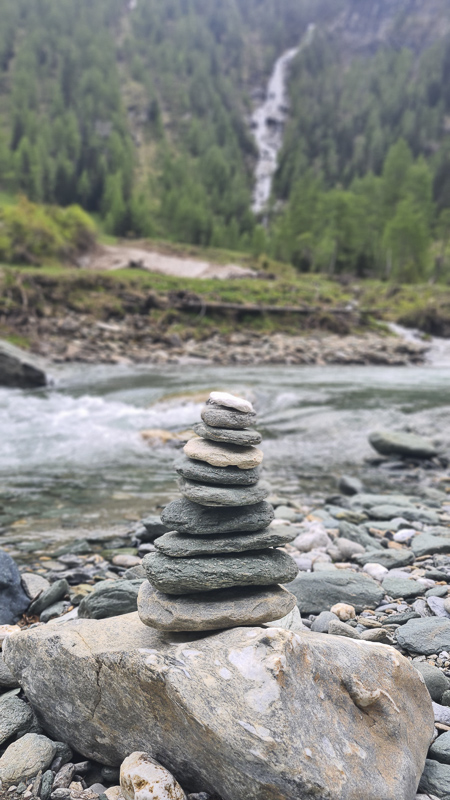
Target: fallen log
204, 306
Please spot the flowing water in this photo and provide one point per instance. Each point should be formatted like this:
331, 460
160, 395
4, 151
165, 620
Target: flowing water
268, 121
72, 456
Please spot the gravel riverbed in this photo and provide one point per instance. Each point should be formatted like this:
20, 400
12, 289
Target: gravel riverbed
374, 567
78, 338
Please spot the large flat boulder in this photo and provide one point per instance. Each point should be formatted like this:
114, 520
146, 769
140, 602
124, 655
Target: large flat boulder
265, 714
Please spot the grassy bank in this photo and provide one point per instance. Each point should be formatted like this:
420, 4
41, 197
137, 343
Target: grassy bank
284, 301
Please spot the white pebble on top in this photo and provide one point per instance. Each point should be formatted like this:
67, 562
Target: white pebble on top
231, 401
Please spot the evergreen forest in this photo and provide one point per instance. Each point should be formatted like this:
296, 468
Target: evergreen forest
138, 111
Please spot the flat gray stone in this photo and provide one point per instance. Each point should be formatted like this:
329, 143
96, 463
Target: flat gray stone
393, 443
206, 573
34, 584
219, 417
23, 759
440, 749
231, 401
16, 718
425, 636
402, 587
223, 496
435, 779
387, 557
319, 591
187, 517
426, 544
355, 533
385, 512
49, 597
244, 438
151, 528
437, 604
110, 599
388, 512
183, 545
223, 454
338, 628
367, 500
206, 611
435, 680
205, 473
401, 619
437, 592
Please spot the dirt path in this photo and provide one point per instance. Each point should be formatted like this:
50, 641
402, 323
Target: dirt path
123, 257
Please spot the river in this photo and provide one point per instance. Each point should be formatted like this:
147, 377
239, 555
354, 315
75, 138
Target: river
268, 121
72, 456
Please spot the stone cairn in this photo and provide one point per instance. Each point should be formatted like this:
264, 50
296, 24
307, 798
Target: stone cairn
219, 568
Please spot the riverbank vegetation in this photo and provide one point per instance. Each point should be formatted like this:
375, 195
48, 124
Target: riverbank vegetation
283, 301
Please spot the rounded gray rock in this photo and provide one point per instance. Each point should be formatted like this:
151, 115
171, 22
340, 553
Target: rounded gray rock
187, 517
223, 496
436, 682
16, 718
320, 624
207, 573
226, 608
338, 628
435, 779
110, 599
244, 438
205, 473
393, 443
440, 749
425, 636
23, 759
219, 417
183, 545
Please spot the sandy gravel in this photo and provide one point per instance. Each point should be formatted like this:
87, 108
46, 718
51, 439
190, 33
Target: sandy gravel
122, 257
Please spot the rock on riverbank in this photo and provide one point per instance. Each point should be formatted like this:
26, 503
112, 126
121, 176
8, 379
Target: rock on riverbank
248, 712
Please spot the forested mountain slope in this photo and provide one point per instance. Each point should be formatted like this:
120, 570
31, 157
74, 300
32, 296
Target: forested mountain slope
139, 111
136, 110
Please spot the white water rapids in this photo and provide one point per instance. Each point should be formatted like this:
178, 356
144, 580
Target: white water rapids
72, 455
268, 121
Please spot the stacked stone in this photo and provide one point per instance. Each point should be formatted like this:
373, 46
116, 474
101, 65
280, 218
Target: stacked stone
219, 568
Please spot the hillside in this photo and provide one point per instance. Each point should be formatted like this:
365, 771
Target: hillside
139, 112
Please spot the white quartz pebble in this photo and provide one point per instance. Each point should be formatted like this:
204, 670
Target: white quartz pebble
376, 571
231, 401
142, 778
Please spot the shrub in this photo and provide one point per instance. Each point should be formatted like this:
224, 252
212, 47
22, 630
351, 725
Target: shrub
30, 232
